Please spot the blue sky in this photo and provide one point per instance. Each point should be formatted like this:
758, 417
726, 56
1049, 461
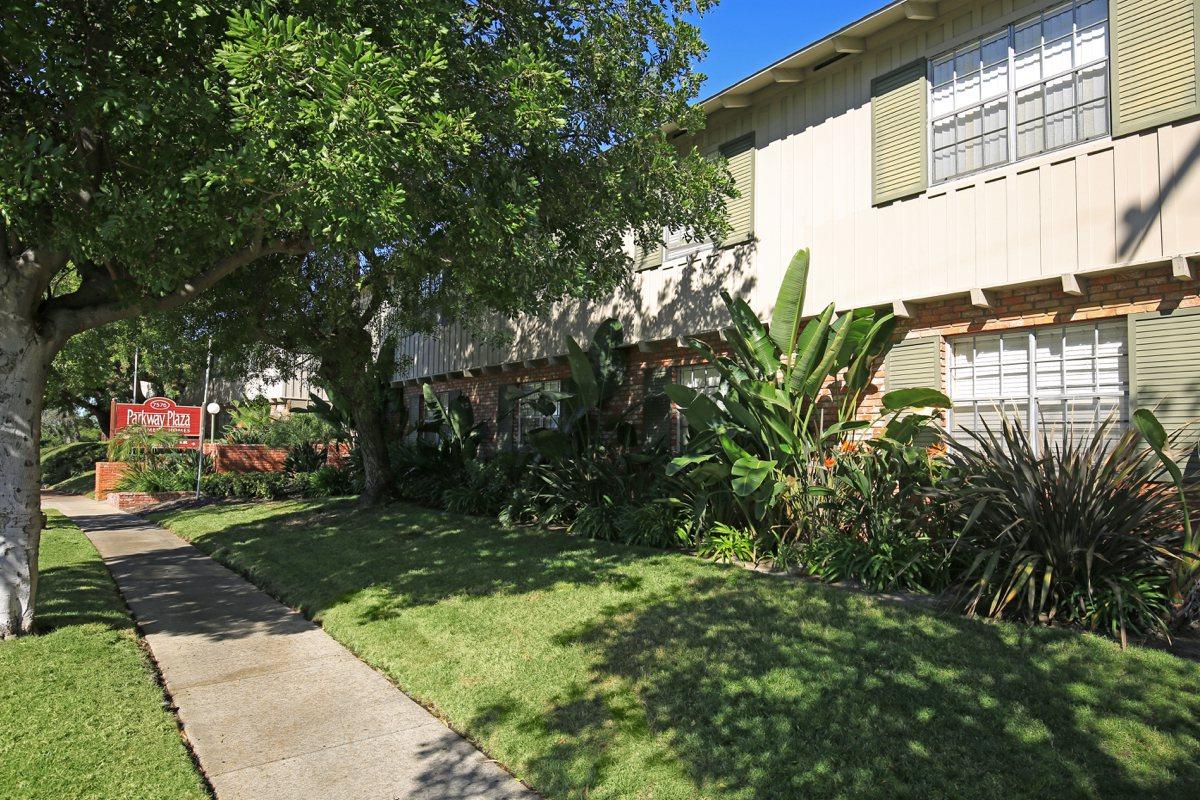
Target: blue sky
745, 35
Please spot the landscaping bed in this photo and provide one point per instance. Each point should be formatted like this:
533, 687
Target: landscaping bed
81, 714
605, 671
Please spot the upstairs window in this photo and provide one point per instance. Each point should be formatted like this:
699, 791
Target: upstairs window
1035, 86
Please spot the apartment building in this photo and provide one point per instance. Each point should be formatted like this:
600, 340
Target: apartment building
1015, 179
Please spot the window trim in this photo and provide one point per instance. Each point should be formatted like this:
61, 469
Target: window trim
1010, 96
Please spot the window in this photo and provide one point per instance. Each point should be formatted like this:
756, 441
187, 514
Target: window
739, 156
1037, 85
1061, 381
704, 379
426, 414
529, 417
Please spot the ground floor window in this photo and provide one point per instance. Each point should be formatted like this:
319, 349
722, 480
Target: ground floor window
703, 378
1062, 381
529, 416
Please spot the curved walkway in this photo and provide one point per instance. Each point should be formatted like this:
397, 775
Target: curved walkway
274, 707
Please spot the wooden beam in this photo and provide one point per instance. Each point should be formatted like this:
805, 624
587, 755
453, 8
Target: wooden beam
511, 366
916, 9
787, 75
1181, 269
1073, 285
900, 309
681, 341
735, 101
645, 347
849, 44
980, 298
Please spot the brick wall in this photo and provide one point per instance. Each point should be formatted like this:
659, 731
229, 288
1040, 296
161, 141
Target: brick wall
136, 501
108, 473
248, 458
1105, 296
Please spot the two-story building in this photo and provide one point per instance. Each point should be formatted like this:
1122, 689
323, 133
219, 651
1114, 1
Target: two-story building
1016, 179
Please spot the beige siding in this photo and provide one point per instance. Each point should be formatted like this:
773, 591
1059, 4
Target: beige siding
1092, 206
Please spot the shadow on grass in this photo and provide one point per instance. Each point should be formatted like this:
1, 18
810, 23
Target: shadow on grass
763, 693
754, 687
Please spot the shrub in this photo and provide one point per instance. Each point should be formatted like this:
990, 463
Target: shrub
327, 481
1071, 531
656, 524
598, 521
172, 472
248, 485
69, 460
304, 457
881, 528
482, 492
725, 543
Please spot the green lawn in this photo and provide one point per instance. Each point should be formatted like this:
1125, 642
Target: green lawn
83, 483
598, 671
80, 713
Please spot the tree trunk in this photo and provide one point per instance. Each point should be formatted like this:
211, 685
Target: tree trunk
372, 447
24, 360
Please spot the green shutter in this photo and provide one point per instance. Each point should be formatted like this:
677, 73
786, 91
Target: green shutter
899, 133
506, 411
739, 211
647, 259
914, 363
1164, 368
656, 406
1154, 63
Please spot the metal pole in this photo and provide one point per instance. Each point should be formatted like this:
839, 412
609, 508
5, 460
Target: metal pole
136, 351
203, 411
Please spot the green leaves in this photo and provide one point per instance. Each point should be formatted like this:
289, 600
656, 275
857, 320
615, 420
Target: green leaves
789, 304
902, 399
749, 474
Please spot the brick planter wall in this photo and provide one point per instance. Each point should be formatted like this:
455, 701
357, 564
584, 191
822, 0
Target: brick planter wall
136, 501
247, 458
108, 473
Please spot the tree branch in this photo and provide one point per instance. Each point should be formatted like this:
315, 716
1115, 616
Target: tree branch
64, 319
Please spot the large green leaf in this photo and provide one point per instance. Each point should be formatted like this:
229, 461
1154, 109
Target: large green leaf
917, 397
812, 345
749, 474
758, 342
681, 463
789, 304
825, 367
586, 388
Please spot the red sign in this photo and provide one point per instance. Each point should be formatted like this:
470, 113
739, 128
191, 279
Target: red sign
157, 413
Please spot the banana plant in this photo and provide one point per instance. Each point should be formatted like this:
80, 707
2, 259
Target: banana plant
1185, 579
454, 423
765, 435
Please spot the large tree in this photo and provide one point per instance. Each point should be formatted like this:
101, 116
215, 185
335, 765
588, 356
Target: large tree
152, 149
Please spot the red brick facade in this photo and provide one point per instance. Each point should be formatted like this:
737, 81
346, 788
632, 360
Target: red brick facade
1116, 294
136, 501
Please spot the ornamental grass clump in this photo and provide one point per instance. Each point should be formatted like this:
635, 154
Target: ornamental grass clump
1069, 531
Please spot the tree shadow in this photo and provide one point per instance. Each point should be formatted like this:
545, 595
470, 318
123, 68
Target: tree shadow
406, 556
759, 692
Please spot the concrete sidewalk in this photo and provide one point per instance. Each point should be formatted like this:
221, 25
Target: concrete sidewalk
273, 706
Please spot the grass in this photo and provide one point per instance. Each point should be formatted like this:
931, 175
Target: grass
602, 671
83, 483
81, 715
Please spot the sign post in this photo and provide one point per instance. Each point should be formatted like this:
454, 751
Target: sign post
203, 403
